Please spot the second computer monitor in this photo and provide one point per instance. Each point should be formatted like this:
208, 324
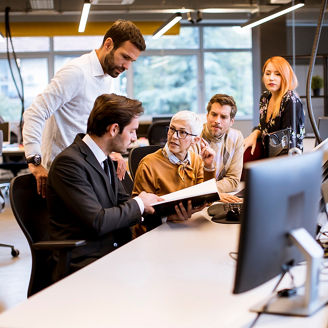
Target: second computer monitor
282, 195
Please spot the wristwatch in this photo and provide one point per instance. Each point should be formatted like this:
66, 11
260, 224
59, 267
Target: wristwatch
35, 159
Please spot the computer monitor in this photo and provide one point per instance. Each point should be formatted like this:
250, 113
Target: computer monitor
5, 127
323, 217
323, 147
162, 118
280, 216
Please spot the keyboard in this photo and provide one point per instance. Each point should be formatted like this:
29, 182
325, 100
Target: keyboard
226, 212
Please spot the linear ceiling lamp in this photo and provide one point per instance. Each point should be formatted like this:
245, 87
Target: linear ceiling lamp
282, 10
167, 25
84, 16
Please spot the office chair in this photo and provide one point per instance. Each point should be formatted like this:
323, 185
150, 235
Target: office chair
127, 183
157, 132
14, 251
31, 213
248, 157
137, 154
323, 127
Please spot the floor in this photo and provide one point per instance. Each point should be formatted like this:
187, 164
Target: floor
15, 272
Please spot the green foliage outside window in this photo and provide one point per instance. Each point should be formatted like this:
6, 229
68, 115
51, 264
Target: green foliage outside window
166, 84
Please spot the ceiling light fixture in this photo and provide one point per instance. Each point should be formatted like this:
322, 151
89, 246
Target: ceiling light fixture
84, 15
199, 16
190, 20
282, 10
167, 25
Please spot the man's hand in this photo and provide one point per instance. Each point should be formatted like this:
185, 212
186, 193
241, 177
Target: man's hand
149, 199
208, 155
41, 175
121, 164
227, 198
183, 214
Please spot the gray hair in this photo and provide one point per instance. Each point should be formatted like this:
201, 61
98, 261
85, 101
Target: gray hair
192, 120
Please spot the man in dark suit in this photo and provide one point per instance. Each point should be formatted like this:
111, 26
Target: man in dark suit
86, 200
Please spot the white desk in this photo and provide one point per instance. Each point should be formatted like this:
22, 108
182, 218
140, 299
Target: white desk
178, 275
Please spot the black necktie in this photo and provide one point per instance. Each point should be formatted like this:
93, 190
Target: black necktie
107, 170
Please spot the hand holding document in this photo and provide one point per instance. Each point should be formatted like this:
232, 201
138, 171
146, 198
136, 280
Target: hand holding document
199, 195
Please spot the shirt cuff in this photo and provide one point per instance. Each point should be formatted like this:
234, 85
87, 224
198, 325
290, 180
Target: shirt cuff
140, 204
209, 170
31, 150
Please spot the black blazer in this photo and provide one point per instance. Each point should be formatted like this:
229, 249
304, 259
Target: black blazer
84, 205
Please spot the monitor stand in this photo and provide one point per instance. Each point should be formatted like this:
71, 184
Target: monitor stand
307, 300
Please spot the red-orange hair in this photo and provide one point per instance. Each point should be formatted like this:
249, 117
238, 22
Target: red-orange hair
288, 78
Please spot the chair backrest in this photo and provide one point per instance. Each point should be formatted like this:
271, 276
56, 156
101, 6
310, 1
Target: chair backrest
127, 183
323, 127
258, 154
157, 132
30, 211
1, 141
137, 154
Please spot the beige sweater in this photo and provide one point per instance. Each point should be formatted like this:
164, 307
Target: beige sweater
233, 141
156, 174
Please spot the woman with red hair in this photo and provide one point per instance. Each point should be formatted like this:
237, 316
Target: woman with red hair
276, 104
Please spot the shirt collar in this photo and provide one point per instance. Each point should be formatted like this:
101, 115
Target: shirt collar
99, 154
173, 159
96, 67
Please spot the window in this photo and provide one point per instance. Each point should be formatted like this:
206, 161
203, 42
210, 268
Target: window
227, 37
174, 73
24, 44
228, 65
166, 84
187, 39
35, 77
77, 43
230, 73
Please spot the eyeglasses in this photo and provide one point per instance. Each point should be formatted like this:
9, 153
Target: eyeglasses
181, 134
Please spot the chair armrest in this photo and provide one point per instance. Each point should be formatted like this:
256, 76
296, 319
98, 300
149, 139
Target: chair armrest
58, 244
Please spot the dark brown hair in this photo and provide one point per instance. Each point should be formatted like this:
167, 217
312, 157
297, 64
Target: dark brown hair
223, 99
123, 30
109, 109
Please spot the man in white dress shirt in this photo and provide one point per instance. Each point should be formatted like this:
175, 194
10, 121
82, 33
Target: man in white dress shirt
62, 110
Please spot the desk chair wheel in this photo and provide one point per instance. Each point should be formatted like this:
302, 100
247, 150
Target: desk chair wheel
14, 252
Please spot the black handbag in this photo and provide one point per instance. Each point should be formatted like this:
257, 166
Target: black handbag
277, 143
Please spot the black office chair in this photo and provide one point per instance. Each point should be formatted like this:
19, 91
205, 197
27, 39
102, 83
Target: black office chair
31, 213
157, 132
137, 154
323, 127
127, 183
14, 251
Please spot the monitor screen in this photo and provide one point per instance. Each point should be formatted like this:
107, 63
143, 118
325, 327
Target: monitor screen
282, 194
162, 118
5, 127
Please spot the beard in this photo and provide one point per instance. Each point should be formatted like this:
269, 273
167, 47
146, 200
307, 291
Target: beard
109, 66
216, 131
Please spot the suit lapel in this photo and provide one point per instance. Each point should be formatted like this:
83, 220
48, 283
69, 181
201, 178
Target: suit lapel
91, 159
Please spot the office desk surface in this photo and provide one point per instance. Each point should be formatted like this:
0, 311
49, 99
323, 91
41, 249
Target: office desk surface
178, 275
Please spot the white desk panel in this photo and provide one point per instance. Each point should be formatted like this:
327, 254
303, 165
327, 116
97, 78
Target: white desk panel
178, 275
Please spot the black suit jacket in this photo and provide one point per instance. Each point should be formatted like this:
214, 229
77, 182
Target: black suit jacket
84, 205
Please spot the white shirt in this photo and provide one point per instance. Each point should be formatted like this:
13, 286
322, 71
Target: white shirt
64, 107
101, 156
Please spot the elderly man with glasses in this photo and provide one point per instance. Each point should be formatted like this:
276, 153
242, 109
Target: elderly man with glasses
176, 165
